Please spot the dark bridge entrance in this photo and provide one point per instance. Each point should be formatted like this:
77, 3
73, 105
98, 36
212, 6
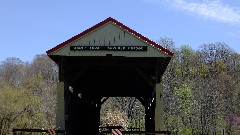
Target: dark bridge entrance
108, 60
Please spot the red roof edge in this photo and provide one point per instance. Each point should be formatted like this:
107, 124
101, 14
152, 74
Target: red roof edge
110, 19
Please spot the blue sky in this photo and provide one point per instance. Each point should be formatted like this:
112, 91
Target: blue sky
30, 27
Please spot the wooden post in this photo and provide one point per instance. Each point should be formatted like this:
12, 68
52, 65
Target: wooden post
60, 119
159, 118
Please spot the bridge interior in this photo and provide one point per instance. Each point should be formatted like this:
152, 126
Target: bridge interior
92, 78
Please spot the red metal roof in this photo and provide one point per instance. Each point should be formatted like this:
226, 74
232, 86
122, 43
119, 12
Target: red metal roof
124, 27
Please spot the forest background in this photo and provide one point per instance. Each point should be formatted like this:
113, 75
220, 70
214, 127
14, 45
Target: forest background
201, 93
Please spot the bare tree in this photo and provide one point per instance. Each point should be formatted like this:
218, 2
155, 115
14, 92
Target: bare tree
12, 70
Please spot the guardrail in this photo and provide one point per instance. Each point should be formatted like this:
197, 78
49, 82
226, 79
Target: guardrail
35, 131
103, 132
141, 132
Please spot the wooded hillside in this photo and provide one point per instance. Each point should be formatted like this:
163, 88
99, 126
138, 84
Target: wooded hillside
201, 92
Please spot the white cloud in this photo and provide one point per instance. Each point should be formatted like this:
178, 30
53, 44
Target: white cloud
210, 9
